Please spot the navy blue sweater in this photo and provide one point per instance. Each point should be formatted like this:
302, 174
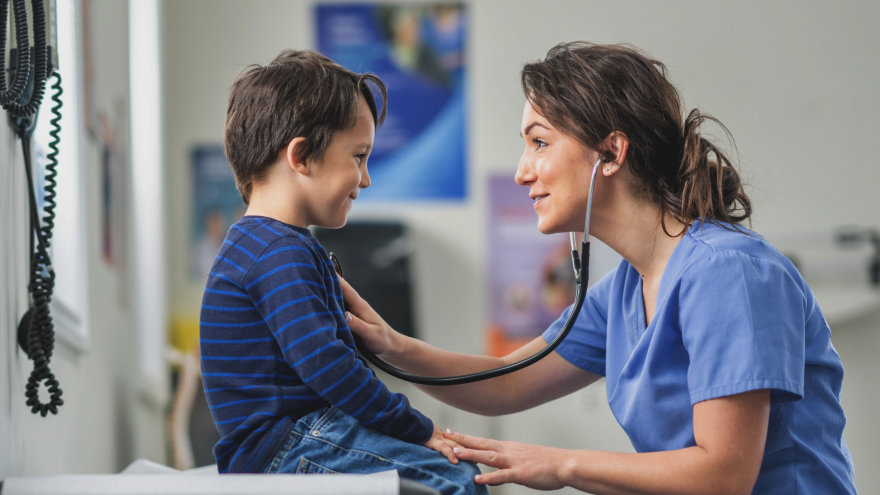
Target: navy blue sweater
275, 346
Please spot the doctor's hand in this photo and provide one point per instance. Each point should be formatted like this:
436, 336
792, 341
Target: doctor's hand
366, 323
533, 466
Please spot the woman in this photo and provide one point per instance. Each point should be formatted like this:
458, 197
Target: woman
718, 361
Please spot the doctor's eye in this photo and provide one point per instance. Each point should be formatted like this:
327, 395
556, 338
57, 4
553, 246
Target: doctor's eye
539, 143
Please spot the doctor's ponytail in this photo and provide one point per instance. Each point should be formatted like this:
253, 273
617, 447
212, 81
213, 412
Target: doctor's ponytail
708, 185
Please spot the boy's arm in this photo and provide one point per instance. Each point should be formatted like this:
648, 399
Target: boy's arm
292, 302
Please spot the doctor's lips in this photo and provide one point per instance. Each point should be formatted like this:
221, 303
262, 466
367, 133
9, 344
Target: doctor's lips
536, 198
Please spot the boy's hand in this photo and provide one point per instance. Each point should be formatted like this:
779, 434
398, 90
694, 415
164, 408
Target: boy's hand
443, 444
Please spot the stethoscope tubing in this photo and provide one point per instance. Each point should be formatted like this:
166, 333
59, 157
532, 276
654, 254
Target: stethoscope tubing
581, 265
580, 296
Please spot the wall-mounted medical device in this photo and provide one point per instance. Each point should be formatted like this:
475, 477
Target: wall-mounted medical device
854, 236
25, 69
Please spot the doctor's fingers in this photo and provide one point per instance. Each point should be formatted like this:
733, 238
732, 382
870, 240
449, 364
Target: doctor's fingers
521, 475
497, 477
472, 442
504, 473
490, 458
370, 333
349, 295
515, 465
357, 306
534, 466
476, 449
374, 333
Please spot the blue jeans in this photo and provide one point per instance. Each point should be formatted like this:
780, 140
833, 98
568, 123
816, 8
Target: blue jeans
330, 441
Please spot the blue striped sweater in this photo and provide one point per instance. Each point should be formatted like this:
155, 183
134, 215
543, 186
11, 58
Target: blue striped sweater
275, 345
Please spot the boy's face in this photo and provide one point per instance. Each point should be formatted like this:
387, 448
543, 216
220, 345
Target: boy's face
341, 172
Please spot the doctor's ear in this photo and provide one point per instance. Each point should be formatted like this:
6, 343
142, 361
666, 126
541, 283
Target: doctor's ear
615, 147
293, 155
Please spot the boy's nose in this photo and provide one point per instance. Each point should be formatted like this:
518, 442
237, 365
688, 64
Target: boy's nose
365, 179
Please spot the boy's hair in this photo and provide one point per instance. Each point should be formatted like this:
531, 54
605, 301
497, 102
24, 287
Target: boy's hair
298, 94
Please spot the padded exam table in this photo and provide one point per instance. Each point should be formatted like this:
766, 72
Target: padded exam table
148, 478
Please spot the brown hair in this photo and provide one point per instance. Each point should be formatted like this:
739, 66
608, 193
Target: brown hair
589, 91
298, 94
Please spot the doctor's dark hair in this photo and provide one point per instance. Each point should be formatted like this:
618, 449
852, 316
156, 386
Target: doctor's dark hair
298, 94
589, 91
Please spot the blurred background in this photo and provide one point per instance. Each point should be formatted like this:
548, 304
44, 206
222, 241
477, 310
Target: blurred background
143, 188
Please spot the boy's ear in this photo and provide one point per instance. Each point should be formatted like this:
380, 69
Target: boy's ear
293, 155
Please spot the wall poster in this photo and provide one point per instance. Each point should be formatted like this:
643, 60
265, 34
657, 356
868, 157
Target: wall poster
531, 279
418, 50
216, 206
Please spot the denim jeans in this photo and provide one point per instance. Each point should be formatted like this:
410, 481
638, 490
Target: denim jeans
329, 441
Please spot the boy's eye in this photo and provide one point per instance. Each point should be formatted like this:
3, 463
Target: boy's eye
360, 157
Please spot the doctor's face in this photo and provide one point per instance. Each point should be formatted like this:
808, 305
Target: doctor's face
556, 168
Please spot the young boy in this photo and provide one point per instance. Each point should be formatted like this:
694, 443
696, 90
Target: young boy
284, 383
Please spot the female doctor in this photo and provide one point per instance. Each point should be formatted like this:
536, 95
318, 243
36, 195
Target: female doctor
718, 361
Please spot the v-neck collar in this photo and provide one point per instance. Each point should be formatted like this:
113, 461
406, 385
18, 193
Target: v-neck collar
673, 265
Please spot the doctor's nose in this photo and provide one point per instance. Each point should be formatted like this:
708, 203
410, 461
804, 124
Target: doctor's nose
525, 173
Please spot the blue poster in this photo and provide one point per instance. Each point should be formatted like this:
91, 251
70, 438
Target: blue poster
418, 51
216, 205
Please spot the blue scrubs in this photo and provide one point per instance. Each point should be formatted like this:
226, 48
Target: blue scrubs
732, 315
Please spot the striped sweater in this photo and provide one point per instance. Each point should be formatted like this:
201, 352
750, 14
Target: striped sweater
275, 345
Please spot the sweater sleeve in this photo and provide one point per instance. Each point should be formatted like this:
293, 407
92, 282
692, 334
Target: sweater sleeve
292, 294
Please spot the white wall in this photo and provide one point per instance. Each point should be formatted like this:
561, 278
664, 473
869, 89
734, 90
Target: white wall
794, 81
107, 419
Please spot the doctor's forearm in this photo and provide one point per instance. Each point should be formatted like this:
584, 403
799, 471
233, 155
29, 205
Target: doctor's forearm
548, 379
730, 434
420, 358
687, 471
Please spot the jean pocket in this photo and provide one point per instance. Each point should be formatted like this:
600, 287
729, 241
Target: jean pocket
306, 466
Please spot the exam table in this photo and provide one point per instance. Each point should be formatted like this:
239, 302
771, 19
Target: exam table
144, 477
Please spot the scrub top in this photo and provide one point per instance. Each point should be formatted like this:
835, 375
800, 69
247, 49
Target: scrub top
732, 315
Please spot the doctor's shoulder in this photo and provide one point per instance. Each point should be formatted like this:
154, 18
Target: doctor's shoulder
723, 251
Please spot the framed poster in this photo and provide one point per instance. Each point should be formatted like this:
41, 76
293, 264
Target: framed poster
216, 206
418, 50
531, 279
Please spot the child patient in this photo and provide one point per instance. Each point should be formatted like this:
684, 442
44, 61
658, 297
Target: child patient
285, 386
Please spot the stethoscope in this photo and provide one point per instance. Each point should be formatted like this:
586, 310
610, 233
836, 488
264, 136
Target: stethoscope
580, 263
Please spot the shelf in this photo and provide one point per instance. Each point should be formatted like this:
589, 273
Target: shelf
843, 303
